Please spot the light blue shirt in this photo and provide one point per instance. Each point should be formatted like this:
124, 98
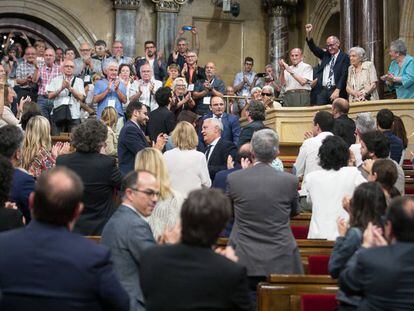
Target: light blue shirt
405, 89
99, 88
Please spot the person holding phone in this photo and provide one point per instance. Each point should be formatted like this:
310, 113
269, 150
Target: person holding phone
178, 55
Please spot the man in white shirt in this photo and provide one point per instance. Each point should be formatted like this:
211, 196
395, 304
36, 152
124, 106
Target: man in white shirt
308, 159
145, 88
296, 79
67, 90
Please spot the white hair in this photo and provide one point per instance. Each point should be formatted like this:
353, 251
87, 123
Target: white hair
216, 122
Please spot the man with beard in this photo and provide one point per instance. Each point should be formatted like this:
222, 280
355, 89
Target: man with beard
159, 68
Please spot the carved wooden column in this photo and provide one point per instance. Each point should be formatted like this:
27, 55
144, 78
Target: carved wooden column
167, 12
348, 27
125, 20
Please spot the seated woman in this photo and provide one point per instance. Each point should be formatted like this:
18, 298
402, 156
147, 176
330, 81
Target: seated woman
166, 214
326, 188
10, 217
186, 166
38, 154
367, 205
385, 173
398, 129
110, 118
362, 77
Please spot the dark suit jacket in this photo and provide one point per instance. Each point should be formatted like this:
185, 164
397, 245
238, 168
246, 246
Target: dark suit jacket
23, 184
10, 219
127, 235
160, 72
396, 146
340, 68
220, 180
383, 276
264, 200
248, 130
345, 128
131, 141
161, 120
218, 158
231, 127
184, 277
199, 74
49, 268
100, 177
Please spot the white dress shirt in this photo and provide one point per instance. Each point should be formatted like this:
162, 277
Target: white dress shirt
303, 70
325, 78
147, 98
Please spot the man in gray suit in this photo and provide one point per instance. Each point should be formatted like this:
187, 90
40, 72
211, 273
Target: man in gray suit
128, 233
264, 200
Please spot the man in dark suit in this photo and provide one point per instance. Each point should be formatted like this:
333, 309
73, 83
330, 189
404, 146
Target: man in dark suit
190, 275
132, 136
46, 267
151, 57
344, 126
255, 114
161, 120
11, 140
385, 120
264, 200
128, 233
99, 173
332, 74
231, 124
384, 274
218, 150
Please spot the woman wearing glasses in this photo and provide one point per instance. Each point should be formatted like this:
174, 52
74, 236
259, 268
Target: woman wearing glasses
182, 99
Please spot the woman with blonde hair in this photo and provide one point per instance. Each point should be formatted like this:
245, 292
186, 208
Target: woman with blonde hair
110, 118
38, 154
186, 166
167, 211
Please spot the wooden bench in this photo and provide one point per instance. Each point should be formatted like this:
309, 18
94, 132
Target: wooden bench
63, 137
94, 238
283, 292
303, 219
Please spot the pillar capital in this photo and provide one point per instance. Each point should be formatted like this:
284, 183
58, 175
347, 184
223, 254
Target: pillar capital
279, 7
126, 4
172, 6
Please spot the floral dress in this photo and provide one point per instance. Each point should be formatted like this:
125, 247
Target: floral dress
43, 161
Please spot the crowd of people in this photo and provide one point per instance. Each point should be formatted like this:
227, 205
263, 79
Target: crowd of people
159, 166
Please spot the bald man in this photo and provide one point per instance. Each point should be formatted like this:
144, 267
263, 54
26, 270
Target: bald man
205, 89
332, 73
343, 126
86, 66
296, 79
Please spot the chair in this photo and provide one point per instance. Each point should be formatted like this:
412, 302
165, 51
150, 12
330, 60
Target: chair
318, 264
300, 232
318, 302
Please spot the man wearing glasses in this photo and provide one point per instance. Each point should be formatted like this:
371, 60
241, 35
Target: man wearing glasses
86, 66
127, 233
153, 58
243, 82
332, 73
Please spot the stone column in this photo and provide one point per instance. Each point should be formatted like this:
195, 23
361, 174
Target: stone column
167, 12
125, 20
347, 24
278, 11
371, 33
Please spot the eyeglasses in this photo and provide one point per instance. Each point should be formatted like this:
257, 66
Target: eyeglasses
85, 50
248, 64
266, 94
69, 66
330, 45
149, 192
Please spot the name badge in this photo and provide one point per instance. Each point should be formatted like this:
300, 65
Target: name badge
65, 100
206, 100
87, 79
190, 87
111, 103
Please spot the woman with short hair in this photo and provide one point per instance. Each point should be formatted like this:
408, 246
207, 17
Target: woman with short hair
166, 213
182, 99
362, 77
186, 166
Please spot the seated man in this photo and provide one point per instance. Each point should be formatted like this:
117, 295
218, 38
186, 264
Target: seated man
189, 275
344, 126
385, 120
65, 270
384, 274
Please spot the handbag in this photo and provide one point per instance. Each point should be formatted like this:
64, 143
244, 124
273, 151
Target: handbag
62, 113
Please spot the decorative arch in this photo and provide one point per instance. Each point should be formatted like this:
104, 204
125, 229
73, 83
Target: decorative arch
51, 14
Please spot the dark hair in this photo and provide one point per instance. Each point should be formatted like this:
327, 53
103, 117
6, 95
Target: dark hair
129, 181
377, 143
368, 204
333, 153
249, 59
55, 205
125, 65
242, 153
59, 49
163, 96
6, 177
398, 129
385, 119
70, 49
387, 174
11, 139
402, 218
149, 42
89, 136
257, 110
204, 214
325, 120
132, 106
187, 115
29, 110
100, 42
